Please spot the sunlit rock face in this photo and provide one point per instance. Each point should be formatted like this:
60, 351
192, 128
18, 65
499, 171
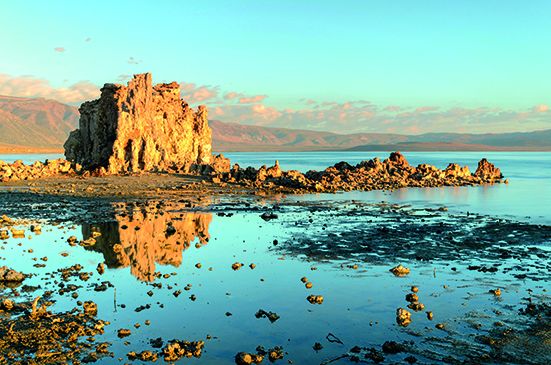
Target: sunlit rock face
143, 239
140, 127
487, 171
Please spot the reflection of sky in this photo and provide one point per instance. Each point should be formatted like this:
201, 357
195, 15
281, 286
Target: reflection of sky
359, 305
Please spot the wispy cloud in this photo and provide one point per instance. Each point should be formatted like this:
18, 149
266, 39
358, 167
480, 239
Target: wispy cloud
335, 116
133, 61
198, 94
244, 99
29, 86
124, 77
252, 99
541, 108
362, 116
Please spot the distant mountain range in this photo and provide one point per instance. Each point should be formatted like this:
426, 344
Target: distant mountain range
39, 124
42, 125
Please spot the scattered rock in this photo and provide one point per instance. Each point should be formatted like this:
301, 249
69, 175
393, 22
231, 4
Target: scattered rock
412, 297
315, 299
143, 356
399, 270
268, 216
416, 306
176, 349
245, 358
403, 317
123, 332
90, 308
272, 316
8, 275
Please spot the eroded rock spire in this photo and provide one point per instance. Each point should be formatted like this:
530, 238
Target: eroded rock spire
140, 127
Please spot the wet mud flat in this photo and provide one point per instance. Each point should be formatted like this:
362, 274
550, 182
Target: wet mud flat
223, 279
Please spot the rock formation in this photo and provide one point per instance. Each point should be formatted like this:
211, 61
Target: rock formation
392, 173
19, 171
487, 171
140, 127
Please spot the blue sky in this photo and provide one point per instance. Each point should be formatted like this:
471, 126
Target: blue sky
423, 58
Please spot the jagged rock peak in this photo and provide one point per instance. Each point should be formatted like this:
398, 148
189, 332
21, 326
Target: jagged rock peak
140, 127
398, 159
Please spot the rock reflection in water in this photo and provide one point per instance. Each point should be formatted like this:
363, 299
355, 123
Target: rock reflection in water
143, 238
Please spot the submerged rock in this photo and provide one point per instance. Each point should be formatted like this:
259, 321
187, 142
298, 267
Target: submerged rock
272, 316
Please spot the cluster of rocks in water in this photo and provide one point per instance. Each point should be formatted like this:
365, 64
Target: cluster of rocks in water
37, 336
392, 173
143, 127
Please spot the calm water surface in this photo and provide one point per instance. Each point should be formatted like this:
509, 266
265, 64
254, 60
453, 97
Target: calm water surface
455, 258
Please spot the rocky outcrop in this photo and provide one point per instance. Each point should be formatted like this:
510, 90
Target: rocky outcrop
19, 171
140, 127
8, 275
487, 171
455, 171
393, 173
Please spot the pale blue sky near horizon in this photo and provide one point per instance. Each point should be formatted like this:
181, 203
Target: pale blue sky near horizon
442, 54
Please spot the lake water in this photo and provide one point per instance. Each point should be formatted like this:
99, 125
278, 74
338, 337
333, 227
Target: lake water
526, 197
344, 244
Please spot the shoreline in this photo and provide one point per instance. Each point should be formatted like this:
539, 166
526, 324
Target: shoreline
384, 149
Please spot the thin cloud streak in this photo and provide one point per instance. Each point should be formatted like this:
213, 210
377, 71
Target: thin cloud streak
353, 116
29, 86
